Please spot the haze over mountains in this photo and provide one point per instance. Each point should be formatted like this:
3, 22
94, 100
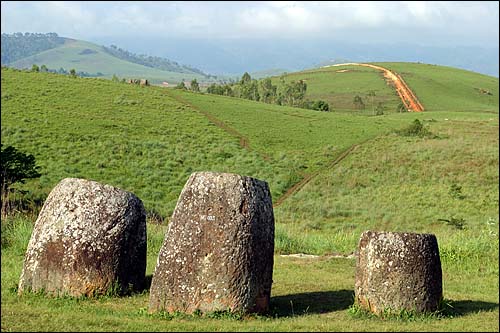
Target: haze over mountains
235, 56
264, 57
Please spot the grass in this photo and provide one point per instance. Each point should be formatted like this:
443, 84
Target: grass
148, 141
338, 86
307, 295
69, 56
439, 88
301, 140
138, 139
400, 183
442, 88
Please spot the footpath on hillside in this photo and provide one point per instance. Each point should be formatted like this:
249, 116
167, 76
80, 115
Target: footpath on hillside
295, 188
244, 143
406, 95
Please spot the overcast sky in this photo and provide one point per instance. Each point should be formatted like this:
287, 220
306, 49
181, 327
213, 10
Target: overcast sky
423, 22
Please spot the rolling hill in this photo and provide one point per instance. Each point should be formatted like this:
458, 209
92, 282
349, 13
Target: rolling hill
98, 61
437, 87
362, 172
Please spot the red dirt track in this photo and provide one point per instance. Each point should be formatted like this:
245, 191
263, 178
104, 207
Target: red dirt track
405, 94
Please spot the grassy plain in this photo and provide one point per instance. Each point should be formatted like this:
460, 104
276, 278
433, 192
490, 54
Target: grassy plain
148, 141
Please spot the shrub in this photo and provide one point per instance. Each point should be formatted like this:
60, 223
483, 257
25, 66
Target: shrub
320, 105
416, 129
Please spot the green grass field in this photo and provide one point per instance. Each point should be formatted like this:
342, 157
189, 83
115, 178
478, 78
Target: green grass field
439, 88
69, 55
338, 86
148, 140
308, 295
442, 88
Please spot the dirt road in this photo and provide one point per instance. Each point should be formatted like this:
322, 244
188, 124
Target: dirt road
405, 94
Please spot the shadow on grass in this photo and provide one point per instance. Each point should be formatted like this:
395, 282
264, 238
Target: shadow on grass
313, 302
462, 308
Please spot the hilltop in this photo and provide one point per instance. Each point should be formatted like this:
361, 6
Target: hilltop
55, 52
437, 87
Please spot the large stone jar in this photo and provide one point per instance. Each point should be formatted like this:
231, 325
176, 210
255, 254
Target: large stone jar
218, 250
398, 271
89, 239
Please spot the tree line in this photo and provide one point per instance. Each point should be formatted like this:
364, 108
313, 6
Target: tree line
291, 93
18, 45
72, 72
153, 62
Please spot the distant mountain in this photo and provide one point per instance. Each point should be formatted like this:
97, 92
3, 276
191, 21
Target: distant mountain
236, 56
153, 62
62, 54
18, 45
268, 73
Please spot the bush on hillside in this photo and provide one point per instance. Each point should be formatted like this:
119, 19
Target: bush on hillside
320, 105
416, 129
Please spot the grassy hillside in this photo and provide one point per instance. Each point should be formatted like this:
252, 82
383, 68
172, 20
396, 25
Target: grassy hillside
306, 139
148, 140
438, 88
450, 89
339, 85
136, 138
403, 183
91, 58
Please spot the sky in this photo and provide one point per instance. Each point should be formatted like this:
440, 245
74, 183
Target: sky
438, 23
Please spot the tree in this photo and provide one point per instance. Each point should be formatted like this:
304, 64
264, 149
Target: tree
358, 103
181, 85
35, 68
44, 68
250, 90
246, 78
195, 86
72, 72
268, 91
371, 93
380, 109
115, 78
293, 93
15, 167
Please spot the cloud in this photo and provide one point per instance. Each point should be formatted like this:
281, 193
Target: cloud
466, 22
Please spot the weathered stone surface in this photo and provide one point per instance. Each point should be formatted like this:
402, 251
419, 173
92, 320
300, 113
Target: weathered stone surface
398, 271
87, 239
218, 250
